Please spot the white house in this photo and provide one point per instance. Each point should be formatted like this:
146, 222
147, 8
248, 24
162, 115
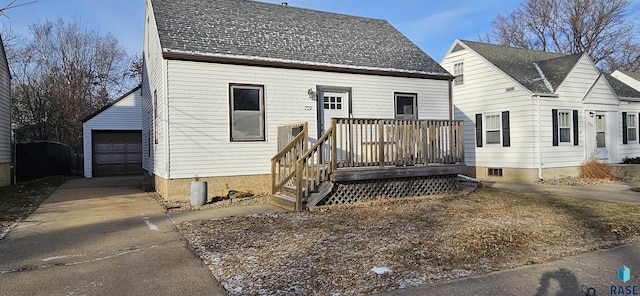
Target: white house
5, 118
221, 75
112, 138
533, 115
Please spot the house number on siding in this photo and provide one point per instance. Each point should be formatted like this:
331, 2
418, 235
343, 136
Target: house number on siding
308, 108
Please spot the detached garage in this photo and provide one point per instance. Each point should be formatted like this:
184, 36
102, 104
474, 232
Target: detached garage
112, 138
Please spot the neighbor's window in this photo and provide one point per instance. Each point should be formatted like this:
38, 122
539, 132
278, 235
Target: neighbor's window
458, 73
406, 106
247, 112
493, 129
632, 128
564, 126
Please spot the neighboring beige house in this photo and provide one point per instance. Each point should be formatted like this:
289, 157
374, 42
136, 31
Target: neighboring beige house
220, 76
533, 115
5, 118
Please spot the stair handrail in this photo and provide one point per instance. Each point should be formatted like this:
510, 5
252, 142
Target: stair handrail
312, 169
284, 163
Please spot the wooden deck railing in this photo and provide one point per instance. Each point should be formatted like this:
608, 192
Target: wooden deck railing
283, 164
355, 142
315, 166
386, 142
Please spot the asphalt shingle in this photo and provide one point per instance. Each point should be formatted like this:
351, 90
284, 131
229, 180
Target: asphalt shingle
529, 67
250, 30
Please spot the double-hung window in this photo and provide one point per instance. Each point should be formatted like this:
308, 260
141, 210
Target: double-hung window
458, 73
406, 106
632, 128
564, 126
492, 129
247, 112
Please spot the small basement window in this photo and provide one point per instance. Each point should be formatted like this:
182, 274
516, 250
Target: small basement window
495, 172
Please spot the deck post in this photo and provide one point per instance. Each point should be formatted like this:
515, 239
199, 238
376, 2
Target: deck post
381, 142
334, 146
299, 177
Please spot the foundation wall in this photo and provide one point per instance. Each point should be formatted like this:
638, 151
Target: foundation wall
179, 189
524, 175
5, 174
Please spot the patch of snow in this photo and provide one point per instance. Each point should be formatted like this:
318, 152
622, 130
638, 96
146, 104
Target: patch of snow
234, 284
59, 257
380, 270
461, 272
544, 78
149, 224
288, 61
405, 283
6, 230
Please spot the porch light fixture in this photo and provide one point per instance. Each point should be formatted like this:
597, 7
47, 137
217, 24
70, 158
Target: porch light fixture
310, 92
591, 114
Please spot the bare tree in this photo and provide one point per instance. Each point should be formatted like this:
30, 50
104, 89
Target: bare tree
13, 4
62, 74
605, 29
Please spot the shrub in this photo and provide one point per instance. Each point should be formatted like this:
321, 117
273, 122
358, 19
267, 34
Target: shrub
593, 169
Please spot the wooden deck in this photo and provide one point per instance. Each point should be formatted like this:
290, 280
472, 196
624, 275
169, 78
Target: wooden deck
359, 149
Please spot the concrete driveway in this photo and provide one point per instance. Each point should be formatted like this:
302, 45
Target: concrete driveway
101, 236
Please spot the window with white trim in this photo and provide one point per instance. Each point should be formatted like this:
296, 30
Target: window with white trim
247, 112
406, 106
492, 128
564, 126
458, 73
632, 128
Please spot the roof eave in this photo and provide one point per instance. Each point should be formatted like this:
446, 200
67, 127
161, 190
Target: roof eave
629, 99
545, 95
299, 66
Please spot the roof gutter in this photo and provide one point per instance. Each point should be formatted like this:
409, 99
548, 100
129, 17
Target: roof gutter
545, 95
299, 66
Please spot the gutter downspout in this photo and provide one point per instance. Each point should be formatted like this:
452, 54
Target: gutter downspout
450, 100
539, 141
167, 155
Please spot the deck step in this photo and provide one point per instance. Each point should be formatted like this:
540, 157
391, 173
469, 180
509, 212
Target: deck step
284, 201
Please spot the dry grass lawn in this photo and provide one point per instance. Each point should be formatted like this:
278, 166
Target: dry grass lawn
408, 242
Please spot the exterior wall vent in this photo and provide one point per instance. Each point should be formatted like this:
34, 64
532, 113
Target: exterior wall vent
510, 89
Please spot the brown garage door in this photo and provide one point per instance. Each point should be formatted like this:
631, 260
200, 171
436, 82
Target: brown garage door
117, 153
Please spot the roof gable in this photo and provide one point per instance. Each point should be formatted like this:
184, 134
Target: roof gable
537, 71
112, 103
257, 32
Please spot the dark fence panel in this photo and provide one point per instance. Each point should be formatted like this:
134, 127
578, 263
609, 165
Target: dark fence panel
42, 159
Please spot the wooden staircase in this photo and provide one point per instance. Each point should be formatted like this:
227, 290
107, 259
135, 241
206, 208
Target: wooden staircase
302, 177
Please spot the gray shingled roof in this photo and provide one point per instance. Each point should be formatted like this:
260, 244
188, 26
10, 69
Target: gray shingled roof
249, 30
622, 90
525, 66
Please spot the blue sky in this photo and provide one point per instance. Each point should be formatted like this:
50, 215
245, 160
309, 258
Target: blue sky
432, 25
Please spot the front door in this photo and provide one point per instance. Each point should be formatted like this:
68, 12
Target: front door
334, 105
601, 136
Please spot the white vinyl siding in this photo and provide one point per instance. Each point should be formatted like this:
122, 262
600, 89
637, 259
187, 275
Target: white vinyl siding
488, 91
154, 144
123, 115
5, 111
199, 110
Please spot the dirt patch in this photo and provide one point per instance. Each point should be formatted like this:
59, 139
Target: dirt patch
393, 244
233, 200
575, 181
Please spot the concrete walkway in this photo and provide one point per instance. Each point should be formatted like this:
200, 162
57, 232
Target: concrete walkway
101, 236
613, 192
573, 275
